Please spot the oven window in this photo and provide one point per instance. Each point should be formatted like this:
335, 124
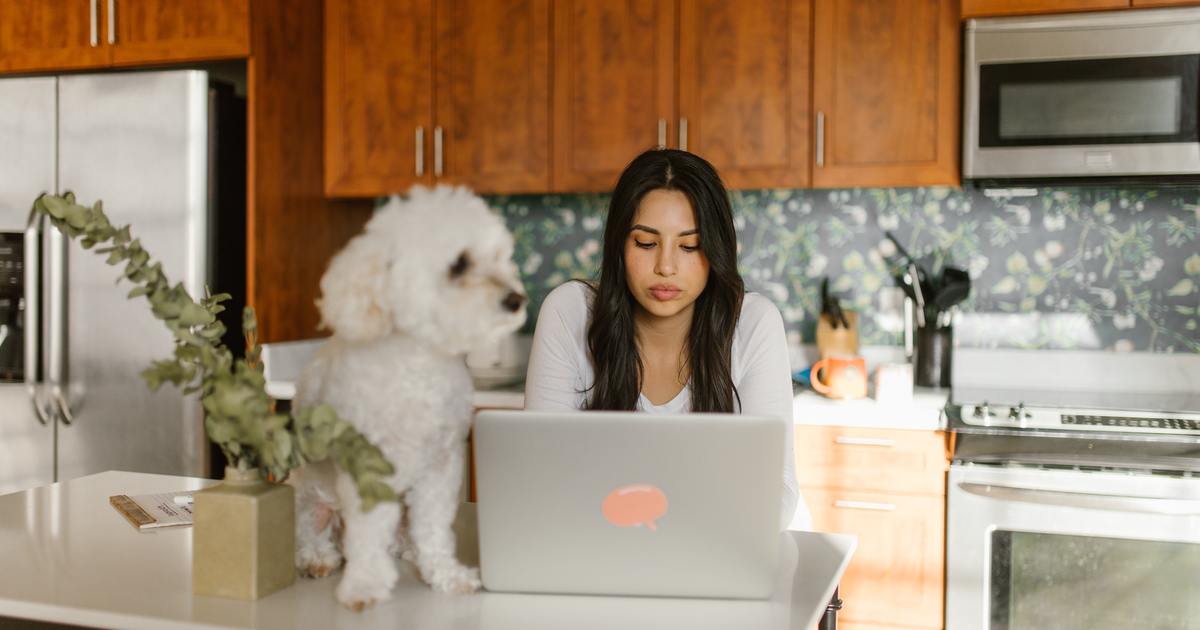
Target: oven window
1065, 582
1094, 101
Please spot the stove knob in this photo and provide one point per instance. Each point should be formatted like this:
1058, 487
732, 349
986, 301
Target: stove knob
983, 413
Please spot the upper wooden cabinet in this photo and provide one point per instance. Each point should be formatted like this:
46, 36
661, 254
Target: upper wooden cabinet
744, 89
490, 81
614, 87
55, 35
378, 95
44, 35
886, 92
493, 95
984, 8
162, 31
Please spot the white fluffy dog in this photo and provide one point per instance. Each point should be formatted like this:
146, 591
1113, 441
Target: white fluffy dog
430, 278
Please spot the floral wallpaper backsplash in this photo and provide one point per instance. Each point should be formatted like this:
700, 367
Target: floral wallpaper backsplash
1073, 268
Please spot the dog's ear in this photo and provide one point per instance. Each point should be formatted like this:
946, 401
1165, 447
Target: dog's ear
352, 299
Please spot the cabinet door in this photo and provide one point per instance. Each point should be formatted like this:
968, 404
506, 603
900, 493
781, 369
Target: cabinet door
983, 8
378, 96
154, 31
614, 87
493, 95
744, 89
885, 91
896, 575
48, 35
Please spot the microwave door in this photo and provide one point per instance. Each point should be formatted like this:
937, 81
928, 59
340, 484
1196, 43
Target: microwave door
27, 133
1119, 116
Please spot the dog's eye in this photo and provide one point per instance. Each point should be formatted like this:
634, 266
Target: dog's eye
460, 265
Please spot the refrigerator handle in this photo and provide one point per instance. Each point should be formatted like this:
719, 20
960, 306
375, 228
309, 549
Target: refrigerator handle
57, 372
33, 317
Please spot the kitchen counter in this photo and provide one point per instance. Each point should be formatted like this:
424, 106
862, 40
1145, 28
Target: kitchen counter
70, 558
923, 412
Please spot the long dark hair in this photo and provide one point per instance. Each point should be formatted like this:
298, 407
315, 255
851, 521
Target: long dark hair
616, 363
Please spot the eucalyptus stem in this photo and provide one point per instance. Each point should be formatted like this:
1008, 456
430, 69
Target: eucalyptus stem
239, 416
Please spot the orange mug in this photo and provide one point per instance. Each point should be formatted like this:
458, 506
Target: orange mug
845, 377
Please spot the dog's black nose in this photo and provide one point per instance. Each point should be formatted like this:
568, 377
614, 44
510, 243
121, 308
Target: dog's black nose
513, 301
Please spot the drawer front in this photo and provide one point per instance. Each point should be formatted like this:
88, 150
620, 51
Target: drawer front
912, 462
897, 573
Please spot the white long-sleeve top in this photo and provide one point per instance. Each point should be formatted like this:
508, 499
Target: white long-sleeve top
560, 372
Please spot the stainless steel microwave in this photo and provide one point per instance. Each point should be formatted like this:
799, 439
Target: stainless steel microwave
1083, 95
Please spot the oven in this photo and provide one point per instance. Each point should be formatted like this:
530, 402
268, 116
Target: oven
1070, 548
1073, 497
1083, 95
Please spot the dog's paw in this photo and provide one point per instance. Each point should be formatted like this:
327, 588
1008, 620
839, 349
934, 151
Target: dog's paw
358, 592
455, 579
317, 562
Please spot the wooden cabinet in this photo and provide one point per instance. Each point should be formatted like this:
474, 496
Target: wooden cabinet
491, 126
56, 35
493, 95
888, 487
162, 31
378, 95
744, 95
41, 35
614, 87
886, 93
740, 70
987, 8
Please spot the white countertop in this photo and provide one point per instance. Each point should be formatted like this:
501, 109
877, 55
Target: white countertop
923, 412
70, 558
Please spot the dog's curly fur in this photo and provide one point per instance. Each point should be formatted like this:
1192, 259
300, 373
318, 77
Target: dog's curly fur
430, 278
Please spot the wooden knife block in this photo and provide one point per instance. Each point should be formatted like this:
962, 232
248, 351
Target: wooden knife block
837, 342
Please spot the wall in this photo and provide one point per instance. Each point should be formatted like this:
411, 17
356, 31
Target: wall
1080, 268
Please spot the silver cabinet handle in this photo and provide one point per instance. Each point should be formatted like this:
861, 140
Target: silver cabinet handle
683, 134
437, 151
57, 372
420, 151
662, 133
865, 505
93, 6
112, 21
820, 138
1148, 505
853, 441
33, 317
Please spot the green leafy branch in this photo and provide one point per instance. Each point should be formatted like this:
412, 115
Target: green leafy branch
239, 416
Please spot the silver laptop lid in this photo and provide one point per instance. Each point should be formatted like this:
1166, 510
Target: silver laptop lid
622, 503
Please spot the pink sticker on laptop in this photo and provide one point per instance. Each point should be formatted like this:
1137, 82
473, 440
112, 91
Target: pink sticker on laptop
634, 505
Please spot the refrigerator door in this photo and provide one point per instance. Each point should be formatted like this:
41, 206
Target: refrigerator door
27, 138
139, 142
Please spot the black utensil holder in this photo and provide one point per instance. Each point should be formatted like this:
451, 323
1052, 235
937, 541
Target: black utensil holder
933, 350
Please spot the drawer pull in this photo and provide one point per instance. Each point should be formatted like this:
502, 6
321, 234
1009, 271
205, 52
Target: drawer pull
865, 505
853, 441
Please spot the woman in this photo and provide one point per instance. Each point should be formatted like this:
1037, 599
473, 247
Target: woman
669, 328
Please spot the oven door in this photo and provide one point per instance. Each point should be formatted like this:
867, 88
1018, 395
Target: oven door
1081, 96
1029, 549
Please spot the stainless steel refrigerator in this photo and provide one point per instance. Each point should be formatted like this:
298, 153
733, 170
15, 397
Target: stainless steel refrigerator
165, 152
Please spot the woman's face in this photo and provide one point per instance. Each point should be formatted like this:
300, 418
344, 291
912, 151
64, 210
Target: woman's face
665, 268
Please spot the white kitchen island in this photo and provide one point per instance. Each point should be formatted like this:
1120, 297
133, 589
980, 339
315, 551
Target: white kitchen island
68, 557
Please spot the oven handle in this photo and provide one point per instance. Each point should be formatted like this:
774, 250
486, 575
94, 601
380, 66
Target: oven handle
1174, 507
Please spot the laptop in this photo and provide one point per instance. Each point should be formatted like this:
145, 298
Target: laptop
622, 503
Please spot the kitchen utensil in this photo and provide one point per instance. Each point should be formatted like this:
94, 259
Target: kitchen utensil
840, 377
956, 286
831, 306
918, 294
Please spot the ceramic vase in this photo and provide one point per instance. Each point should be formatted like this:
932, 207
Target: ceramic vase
244, 541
